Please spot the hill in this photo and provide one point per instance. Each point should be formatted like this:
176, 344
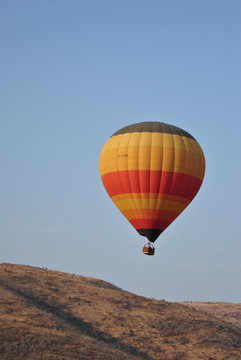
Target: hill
226, 311
49, 315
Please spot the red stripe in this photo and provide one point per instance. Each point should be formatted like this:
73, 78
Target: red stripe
151, 181
150, 224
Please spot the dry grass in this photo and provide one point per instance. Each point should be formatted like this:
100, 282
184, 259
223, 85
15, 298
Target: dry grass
49, 315
228, 312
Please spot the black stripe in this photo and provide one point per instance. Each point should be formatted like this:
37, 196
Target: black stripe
154, 126
151, 234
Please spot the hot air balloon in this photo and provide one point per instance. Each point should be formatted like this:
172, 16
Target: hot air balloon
151, 171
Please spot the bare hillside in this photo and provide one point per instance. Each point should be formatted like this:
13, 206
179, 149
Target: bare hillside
49, 315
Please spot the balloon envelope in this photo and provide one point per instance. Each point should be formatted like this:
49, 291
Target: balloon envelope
151, 171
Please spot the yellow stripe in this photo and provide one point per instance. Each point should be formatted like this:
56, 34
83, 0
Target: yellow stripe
145, 203
150, 196
152, 158
152, 139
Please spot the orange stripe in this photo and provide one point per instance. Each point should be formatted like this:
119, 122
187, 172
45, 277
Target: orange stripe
149, 203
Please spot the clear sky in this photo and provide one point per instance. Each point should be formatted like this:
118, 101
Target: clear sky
74, 72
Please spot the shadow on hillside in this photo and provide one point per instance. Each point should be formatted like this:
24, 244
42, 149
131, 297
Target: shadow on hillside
78, 324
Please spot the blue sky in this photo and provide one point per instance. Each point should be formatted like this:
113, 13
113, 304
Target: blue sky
73, 73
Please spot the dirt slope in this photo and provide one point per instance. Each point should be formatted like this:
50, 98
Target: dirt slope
49, 315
